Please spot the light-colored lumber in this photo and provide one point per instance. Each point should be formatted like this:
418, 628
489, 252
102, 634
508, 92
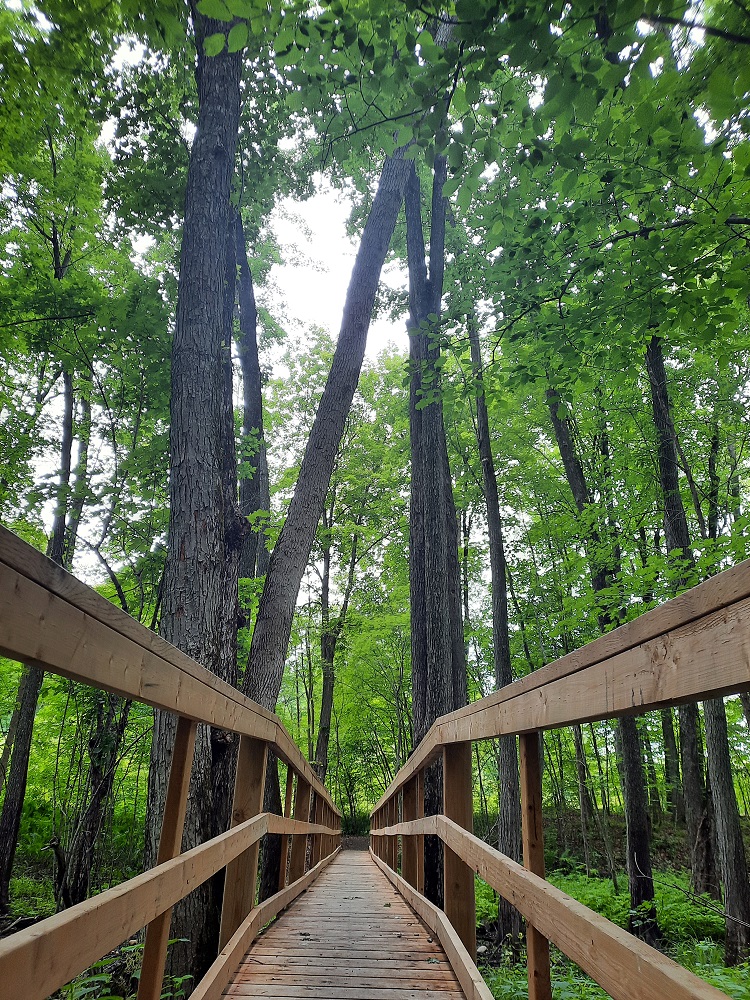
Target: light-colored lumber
688, 648
170, 844
625, 967
51, 620
242, 874
537, 946
299, 844
39, 960
285, 837
458, 878
409, 844
470, 978
214, 982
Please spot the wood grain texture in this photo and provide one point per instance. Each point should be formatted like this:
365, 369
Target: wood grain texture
350, 936
170, 843
51, 620
537, 946
470, 978
690, 648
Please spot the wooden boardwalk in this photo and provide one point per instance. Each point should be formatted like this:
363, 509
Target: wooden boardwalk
351, 936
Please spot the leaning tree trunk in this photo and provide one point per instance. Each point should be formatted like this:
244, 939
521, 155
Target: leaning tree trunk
638, 834
273, 623
509, 922
731, 847
32, 677
199, 610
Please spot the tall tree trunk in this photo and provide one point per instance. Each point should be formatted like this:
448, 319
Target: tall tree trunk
199, 610
254, 488
32, 677
675, 801
509, 922
640, 877
329, 637
729, 834
439, 681
273, 625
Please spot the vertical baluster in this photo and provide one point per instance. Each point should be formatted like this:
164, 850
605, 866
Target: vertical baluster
242, 873
317, 839
537, 946
458, 878
393, 841
285, 836
299, 840
170, 842
409, 842
419, 885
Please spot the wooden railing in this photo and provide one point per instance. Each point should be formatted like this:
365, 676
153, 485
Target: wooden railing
50, 620
694, 647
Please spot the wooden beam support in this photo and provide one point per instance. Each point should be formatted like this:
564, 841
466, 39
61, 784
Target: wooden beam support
170, 845
285, 838
419, 885
537, 946
299, 844
458, 878
409, 844
242, 873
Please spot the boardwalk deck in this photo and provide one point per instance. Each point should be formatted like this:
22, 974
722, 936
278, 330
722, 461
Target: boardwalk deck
351, 936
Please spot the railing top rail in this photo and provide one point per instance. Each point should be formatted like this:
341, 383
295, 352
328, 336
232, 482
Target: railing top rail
689, 648
50, 619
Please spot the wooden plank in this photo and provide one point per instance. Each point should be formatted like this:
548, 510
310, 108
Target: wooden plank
458, 878
170, 844
537, 946
213, 983
334, 993
39, 960
472, 983
299, 844
625, 967
242, 873
666, 656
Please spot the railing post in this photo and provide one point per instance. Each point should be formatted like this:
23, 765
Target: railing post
285, 836
393, 841
317, 838
299, 840
458, 878
170, 842
242, 873
419, 885
537, 946
409, 843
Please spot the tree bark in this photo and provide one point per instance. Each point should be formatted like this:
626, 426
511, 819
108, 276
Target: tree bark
731, 848
32, 677
254, 488
509, 922
199, 609
679, 551
640, 877
288, 560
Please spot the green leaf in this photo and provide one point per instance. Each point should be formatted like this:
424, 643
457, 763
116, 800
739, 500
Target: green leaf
214, 44
237, 37
241, 8
216, 9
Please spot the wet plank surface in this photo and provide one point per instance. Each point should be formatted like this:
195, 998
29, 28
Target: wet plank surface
349, 937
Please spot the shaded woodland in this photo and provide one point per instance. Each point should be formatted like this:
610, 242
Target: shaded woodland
550, 207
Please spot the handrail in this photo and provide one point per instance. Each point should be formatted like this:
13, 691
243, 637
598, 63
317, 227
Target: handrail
51, 620
660, 658
690, 648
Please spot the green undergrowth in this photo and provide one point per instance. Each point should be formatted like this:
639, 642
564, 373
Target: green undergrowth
693, 935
